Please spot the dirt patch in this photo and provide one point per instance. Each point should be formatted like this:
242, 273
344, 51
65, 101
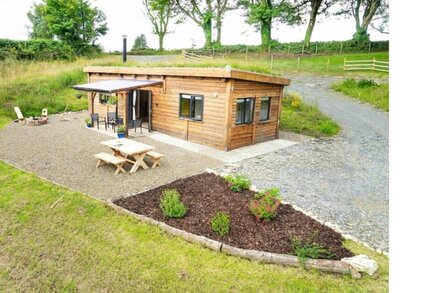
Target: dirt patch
206, 194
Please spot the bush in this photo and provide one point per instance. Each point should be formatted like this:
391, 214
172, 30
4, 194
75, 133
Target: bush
266, 204
238, 183
220, 224
313, 250
35, 49
364, 83
171, 205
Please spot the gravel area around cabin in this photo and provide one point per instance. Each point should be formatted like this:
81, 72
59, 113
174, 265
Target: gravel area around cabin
63, 152
342, 180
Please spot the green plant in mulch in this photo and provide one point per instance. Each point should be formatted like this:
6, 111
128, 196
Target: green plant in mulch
238, 183
265, 205
171, 205
220, 224
304, 250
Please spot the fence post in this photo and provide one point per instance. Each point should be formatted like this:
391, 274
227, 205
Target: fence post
369, 47
269, 50
303, 50
288, 49
328, 64
298, 64
374, 62
316, 50
342, 45
213, 52
271, 62
345, 59
247, 48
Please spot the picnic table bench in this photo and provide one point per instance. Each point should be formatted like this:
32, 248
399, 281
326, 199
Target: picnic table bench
110, 159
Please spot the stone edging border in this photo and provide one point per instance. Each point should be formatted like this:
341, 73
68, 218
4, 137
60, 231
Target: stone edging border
333, 266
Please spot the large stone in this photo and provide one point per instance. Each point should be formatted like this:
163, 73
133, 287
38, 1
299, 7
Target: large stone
362, 263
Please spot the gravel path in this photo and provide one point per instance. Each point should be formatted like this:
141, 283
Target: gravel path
343, 180
63, 152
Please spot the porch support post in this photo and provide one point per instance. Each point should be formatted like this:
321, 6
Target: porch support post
91, 99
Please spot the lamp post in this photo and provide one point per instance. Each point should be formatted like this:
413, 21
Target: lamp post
124, 48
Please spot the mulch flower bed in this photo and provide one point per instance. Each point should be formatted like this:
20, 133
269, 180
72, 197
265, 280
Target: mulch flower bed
207, 194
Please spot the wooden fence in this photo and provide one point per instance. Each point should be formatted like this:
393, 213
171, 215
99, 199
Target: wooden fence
367, 65
195, 57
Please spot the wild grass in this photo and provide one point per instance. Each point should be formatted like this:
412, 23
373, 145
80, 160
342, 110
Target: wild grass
34, 85
302, 118
82, 245
371, 93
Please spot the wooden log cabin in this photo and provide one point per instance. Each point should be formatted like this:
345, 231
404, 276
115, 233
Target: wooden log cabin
221, 107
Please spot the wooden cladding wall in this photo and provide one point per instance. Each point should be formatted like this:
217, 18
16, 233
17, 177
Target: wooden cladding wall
258, 131
210, 131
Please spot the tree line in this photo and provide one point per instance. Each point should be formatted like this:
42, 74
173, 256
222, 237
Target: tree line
263, 14
79, 25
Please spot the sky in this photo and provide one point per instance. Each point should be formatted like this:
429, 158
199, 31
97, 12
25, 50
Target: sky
125, 17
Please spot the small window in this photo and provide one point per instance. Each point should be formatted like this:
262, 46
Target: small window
245, 111
191, 107
265, 109
103, 99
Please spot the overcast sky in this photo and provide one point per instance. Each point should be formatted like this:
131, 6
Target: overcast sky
125, 17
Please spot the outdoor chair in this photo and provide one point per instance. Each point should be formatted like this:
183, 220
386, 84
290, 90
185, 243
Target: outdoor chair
95, 118
19, 115
111, 119
136, 124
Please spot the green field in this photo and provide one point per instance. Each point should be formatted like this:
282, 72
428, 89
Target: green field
82, 245
376, 95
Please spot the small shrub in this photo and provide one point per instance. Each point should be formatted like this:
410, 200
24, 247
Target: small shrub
239, 182
313, 250
272, 192
266, 204
171, 205
364, 83
296, 101
328, 127
220, 224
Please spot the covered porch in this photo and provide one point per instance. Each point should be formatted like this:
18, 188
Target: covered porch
118, 102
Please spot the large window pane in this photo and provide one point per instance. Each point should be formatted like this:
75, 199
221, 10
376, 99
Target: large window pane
240, 111
245, 111
198, 108
264, 109
185, 105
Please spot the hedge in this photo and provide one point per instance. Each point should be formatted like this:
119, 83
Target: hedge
36, 49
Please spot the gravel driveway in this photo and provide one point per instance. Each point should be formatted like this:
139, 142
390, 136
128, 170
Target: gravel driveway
63, 152
343, 180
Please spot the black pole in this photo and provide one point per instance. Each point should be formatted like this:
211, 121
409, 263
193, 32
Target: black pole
124, 48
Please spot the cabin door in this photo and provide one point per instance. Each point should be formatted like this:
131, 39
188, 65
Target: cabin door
140, 105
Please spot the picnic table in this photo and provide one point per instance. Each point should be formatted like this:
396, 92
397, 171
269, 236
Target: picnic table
124, 148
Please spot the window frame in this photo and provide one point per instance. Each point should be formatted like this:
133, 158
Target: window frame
191, 107
244, 111
268, 110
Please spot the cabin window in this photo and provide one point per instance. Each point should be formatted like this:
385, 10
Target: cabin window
191, 107
103, 99
245, 111
265, 108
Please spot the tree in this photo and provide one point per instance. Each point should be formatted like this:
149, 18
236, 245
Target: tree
140, 43
220, 9
202, 13
366, 9
262, 13
39, 28
316, 7
160, 12
75, 22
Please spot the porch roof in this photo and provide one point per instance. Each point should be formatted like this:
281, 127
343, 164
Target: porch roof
115, 85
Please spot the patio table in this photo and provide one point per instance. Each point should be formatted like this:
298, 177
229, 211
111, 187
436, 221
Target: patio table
124, 147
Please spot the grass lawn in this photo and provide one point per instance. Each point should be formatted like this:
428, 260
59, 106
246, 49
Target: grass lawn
376, 95
302, 118
81, 245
